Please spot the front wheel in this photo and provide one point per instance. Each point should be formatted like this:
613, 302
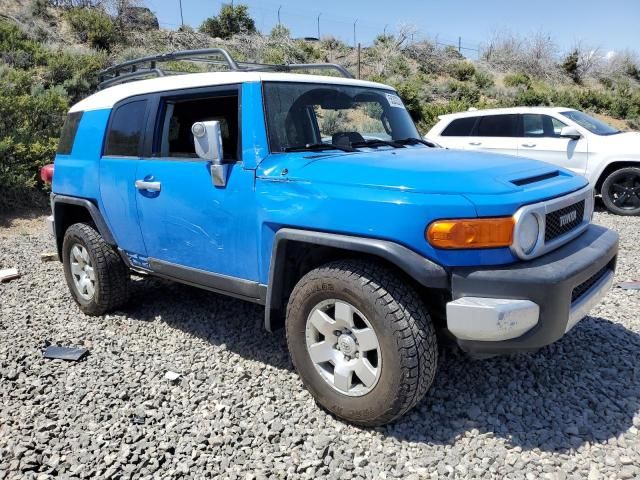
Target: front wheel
621, 191
361, 341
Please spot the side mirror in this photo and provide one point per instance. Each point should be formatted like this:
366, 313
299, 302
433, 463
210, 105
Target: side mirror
570, 132
207, 139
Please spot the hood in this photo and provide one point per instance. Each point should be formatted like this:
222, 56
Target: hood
623, 140
422, 170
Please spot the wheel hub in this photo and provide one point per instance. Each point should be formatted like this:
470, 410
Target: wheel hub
347, 345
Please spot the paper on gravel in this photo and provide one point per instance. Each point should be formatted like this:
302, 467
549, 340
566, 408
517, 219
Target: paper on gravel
171, 376
8, 274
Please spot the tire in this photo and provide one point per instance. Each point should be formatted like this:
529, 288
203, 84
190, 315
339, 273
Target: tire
83, 250
621, 191
405, 358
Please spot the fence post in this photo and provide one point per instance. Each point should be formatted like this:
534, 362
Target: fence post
358, 60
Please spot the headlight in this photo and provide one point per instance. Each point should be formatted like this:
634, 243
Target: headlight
527, 232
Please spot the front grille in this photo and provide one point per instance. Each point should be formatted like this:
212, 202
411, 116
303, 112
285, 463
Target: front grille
563, 220
587, 284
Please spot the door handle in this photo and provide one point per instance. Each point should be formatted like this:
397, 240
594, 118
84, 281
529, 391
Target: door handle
529, 145
144, 185
475, 144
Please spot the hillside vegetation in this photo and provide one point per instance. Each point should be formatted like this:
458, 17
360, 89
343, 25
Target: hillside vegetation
50, 52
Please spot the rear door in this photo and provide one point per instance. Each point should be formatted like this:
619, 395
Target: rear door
496, 133
456, 133
118, 165
541, 141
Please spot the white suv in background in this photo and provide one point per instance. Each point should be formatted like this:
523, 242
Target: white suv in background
609, 158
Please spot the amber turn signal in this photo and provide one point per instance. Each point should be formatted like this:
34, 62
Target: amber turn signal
471, 233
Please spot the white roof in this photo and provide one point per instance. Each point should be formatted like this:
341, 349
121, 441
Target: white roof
108, 97
503, 111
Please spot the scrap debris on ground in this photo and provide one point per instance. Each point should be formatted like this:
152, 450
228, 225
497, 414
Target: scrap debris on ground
569, 411
632, 285
73, 354
7, 274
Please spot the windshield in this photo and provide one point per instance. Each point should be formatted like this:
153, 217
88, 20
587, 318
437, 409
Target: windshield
592, 124
303, 115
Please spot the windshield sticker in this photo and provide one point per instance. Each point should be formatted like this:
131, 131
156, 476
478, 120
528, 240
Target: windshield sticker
394, 100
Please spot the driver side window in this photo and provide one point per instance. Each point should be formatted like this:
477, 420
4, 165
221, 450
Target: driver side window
173, 136
541, 126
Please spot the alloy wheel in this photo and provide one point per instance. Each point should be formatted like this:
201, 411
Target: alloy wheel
84, 277
625, 191
343, 347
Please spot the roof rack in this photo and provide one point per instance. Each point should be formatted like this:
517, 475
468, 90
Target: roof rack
148, 66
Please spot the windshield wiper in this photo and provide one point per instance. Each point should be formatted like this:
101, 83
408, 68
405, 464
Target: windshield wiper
415, 141
315, 147
375, 142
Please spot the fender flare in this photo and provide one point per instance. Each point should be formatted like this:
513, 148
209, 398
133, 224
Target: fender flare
609, 168
88, 205
421, 269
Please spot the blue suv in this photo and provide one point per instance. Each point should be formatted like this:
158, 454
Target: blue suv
315, 197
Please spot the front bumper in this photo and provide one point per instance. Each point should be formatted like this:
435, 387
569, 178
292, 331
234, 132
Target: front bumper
527, 305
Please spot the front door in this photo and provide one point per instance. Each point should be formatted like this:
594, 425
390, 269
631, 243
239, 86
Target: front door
541, 141
194, 231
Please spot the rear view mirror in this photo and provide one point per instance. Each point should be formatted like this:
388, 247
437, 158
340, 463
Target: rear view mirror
570, 132
207, 139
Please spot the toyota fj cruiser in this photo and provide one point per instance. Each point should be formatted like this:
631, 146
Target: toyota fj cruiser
315, 197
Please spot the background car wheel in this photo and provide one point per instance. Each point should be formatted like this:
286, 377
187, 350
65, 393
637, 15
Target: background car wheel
96, 275
621, 191
361, 341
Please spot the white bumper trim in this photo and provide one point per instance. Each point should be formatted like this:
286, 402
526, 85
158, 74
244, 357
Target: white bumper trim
491, 319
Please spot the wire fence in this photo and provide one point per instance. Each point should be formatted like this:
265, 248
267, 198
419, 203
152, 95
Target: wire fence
303, 23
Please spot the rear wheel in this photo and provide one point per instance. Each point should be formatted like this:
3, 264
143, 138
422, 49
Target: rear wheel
621, 191
361, 341
96, 275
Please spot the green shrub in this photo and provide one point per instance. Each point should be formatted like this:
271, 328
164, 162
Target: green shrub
18, 82
517, 80
230, 21
76, 72
531, 98
412, 92
463, 92
92, 26
432, 110
462, 71
18, 50
571, 66
29, 129
483, 80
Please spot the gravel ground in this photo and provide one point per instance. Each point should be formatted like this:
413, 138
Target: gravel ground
571, 410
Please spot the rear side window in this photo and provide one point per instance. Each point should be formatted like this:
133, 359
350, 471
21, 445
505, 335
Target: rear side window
125, 131
460, 127
68, 135
498, 126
